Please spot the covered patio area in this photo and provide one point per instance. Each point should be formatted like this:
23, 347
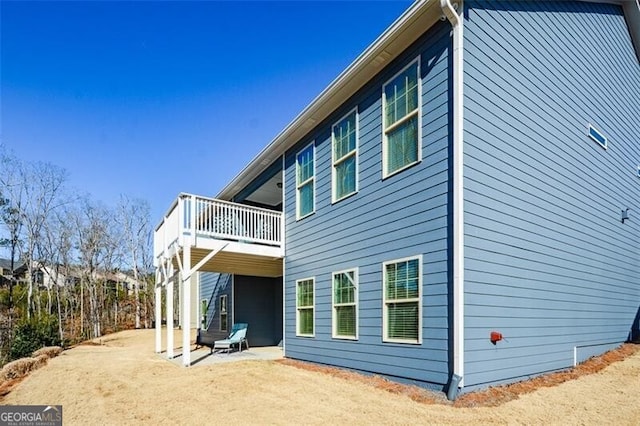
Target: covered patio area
207, 235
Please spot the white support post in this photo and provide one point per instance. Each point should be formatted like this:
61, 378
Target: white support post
197, 299
158, 309
180, 294
186, 303
170, 316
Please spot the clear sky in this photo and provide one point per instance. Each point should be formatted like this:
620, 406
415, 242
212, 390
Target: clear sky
150, 99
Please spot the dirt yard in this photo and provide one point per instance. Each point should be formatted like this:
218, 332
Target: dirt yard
123, 382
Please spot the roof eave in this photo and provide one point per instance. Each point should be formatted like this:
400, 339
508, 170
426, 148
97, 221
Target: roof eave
405, 30
632, 16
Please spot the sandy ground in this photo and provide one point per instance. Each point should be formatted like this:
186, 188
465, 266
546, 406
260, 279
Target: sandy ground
124, 382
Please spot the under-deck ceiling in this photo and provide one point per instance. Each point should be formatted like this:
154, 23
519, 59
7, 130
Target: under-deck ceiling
237, 263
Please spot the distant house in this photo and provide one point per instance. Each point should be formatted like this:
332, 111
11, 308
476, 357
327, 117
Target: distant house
461, 205
48, 276
19, 269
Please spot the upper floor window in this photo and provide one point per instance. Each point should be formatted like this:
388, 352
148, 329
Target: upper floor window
401, 123
344, 136
305, 182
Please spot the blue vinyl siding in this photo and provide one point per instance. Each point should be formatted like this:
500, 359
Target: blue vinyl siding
547, 260
401, 216
212, 286
258, 302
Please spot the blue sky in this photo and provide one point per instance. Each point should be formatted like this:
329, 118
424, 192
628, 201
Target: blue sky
150, 99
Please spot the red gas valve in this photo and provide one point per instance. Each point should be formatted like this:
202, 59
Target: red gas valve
495, 337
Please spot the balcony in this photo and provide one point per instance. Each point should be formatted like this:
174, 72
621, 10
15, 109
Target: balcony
244, 239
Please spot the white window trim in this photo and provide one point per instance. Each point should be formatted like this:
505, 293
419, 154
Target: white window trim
385, 130
312, 179
334, 319
226, 312
336, 161
313, 307
384, 301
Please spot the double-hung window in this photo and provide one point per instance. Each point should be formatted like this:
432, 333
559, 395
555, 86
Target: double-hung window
305, 182
401, 120
345, 304
344, 137
402, 300
224, 323
305, 307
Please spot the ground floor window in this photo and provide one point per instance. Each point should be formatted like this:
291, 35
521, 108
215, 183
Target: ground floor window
345, 304
224, 323
305, 307
402, 300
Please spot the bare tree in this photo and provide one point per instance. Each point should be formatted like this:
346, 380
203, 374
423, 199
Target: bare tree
134, 220
91, 223
43, 185
84, 251
56, 250
149, 277
33, 190
10, 214
111, 264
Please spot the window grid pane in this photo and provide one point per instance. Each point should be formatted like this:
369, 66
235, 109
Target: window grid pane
304, 164
346, 176
401, 95
305, 199
305, 293
344, 137
346, 320
305, 321
402, 145
223, 322
402, 321
344, 288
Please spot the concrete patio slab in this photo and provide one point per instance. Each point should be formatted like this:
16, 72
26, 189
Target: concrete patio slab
203, 356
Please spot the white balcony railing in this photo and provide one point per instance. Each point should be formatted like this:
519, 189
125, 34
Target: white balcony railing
210, 218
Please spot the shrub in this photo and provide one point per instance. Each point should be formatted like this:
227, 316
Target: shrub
33, 335
18, 368
49, 351
40, 361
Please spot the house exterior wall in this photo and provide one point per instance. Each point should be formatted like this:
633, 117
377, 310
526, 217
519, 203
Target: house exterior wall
212, 286
403, 215
548, 262
258, 302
